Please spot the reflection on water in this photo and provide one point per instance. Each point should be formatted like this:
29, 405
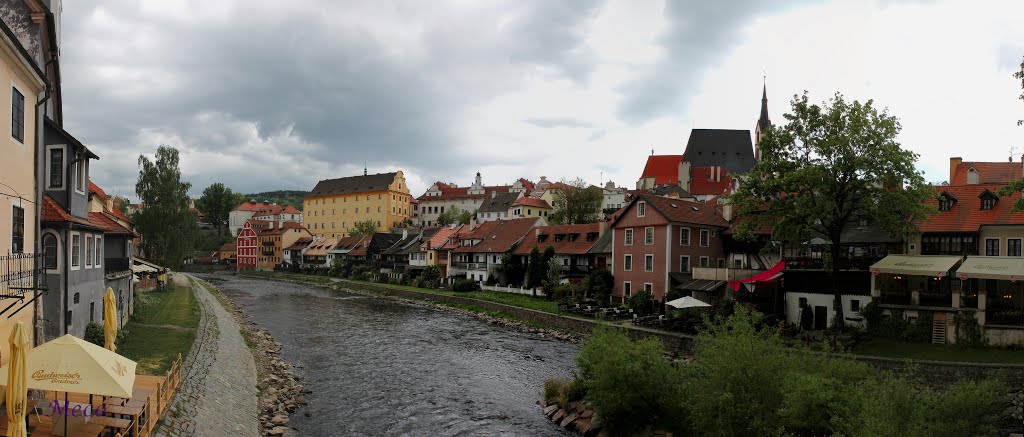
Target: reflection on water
379, 367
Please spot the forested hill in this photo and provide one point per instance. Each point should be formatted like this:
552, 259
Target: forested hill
281, 197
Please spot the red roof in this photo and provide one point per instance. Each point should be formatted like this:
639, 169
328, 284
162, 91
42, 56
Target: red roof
290, 210
966, 214
277, 230
229, 247
52, 212
360, 248
679, 211
300, 244
249, 206
95, 189
498, 236
566, 239
117, 210
702, 181
526, 184
258, 225
348, 243
448, 192
663, 168
532, 201
109, 225
988, 172
438, 240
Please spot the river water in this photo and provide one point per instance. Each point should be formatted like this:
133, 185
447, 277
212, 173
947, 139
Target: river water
380, 367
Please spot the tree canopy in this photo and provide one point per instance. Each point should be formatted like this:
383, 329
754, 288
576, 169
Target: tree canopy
454, 216
216, 203
364, 228
167, 226
827, 167
1020, 75
576, 202
1018, 185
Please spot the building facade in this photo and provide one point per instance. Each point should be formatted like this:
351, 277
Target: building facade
247, 247
334, 206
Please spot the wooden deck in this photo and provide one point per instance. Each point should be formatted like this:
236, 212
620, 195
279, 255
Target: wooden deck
135, 416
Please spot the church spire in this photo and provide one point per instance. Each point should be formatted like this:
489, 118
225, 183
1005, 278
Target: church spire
764, 121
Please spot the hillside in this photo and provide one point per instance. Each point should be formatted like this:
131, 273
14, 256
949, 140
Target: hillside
280, 197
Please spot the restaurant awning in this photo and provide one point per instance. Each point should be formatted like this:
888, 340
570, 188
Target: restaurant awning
920, 265
770, 275
700, 285
991, 267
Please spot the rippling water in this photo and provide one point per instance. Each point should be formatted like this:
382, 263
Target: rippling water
379, 367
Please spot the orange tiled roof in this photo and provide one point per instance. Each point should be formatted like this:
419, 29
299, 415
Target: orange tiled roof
663, 168
988, 172
679, 211
449, 192
702, 183
532, 201
106, 221
499, 235
438, 240
360, 248
95, 189
566, 239
966, 214
52, 212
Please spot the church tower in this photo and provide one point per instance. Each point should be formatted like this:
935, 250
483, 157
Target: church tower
762, 123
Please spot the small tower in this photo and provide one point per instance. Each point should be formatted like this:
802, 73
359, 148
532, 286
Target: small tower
478, 180
762, 123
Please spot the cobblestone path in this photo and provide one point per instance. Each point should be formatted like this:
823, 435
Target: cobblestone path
218, 394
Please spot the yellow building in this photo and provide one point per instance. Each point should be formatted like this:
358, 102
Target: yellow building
20, 268
335, 205
530, 207
274, 239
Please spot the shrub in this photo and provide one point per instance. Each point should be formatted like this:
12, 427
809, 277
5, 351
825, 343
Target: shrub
383, 279
463, 285
631, 385
553, 391
575, 391
561, 293
94, 333
641, 302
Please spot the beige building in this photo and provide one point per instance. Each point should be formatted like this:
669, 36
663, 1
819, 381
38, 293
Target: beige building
334, 206
19, 267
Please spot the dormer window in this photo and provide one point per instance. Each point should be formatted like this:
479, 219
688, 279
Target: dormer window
988, 200
559, 237
972, 176
946, 201
641, 209
541, 238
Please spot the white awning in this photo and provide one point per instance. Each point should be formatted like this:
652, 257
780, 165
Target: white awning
992, 267
920, 265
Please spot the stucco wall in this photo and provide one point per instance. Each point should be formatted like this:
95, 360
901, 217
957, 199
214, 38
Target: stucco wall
828, 301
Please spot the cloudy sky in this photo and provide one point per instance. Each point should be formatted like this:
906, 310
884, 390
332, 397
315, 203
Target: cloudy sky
265, 95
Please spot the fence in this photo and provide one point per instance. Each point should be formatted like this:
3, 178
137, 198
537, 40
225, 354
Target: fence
511, 289
21, 272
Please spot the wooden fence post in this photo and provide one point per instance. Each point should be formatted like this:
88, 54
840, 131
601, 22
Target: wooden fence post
149, 408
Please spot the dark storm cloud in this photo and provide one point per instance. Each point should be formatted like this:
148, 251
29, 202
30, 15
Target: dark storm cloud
346, 88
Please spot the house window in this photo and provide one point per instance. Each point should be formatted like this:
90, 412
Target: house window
991, 247
50, 251
684, 236
855, 305
627, 263
55, 178
1013, 247
705, 261
627, 288
99, 251
641, 209
648, 263
77, 298
705, 238
629, 237
18, 230
88, 250
76, 250
684, 263
649, 288
648, 236
987, 203
17, 115
92, 311
80, 177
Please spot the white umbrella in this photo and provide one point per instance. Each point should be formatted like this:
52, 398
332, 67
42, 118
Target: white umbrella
687, 302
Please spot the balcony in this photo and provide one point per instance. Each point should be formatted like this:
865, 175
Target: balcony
576, 269
115, 265
808, 263
268, 243
268, 253
469, 266
20, 273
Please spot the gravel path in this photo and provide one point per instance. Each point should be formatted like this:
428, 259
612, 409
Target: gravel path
218, 394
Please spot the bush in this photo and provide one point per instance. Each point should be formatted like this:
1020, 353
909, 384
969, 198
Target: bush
463, 285
641, 302
631, 385
94, 333
575, 391
561, 293
553, 391
383, 279
430, 274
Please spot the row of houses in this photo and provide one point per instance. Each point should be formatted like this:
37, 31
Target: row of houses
67, 240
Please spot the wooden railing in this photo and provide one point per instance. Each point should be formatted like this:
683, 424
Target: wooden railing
156, 403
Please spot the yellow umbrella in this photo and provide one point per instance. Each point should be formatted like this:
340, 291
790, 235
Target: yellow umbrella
17, 379
70, 364
109, 320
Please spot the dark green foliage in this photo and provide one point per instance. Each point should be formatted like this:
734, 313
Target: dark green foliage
167, 226
455, 216
210, 240
94, 334
535, 269
463, 285
511, 269
826, 167
553, 391
806, 317
598, 285
576, 202
365, 228
216, 202
896, 325
631, 385
430, 274
281, 197
968, 332
641, 302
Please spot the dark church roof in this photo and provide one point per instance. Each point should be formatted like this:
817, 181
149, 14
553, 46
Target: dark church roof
353, 184
764, 121
729, 148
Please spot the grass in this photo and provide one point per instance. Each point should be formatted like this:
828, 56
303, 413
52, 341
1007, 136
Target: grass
924, 351
155, 348
497, 314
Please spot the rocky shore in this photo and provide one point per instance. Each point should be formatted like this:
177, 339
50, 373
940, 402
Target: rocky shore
280, 391
578, 417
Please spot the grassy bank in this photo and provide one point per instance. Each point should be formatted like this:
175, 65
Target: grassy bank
163, 326
923, 351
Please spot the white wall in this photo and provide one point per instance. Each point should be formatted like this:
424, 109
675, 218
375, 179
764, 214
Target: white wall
427, 204
825, 300
236, 219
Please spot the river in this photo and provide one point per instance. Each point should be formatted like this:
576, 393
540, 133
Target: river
381, 367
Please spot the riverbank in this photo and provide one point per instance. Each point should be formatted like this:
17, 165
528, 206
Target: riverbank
162, 329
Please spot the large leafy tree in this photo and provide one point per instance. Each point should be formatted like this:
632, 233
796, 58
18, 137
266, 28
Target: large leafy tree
828, 166
364, 228
168, 228
1016, 186
1020, 75
216, 203
454, 215
576, 202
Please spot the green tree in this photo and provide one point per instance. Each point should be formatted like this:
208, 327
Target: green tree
511, 269
1020, 76
454, 215
554, 276
1016, 186
576, 202
534, 269
216, 203
167, 226
364, 228
430, 274
827, 167
599, 285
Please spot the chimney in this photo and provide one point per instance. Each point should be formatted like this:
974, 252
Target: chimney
953, 164
405, 233
493, 193
727, 212
602, 227
536, 231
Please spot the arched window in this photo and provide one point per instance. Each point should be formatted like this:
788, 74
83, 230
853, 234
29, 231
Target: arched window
77, 297
50, 250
